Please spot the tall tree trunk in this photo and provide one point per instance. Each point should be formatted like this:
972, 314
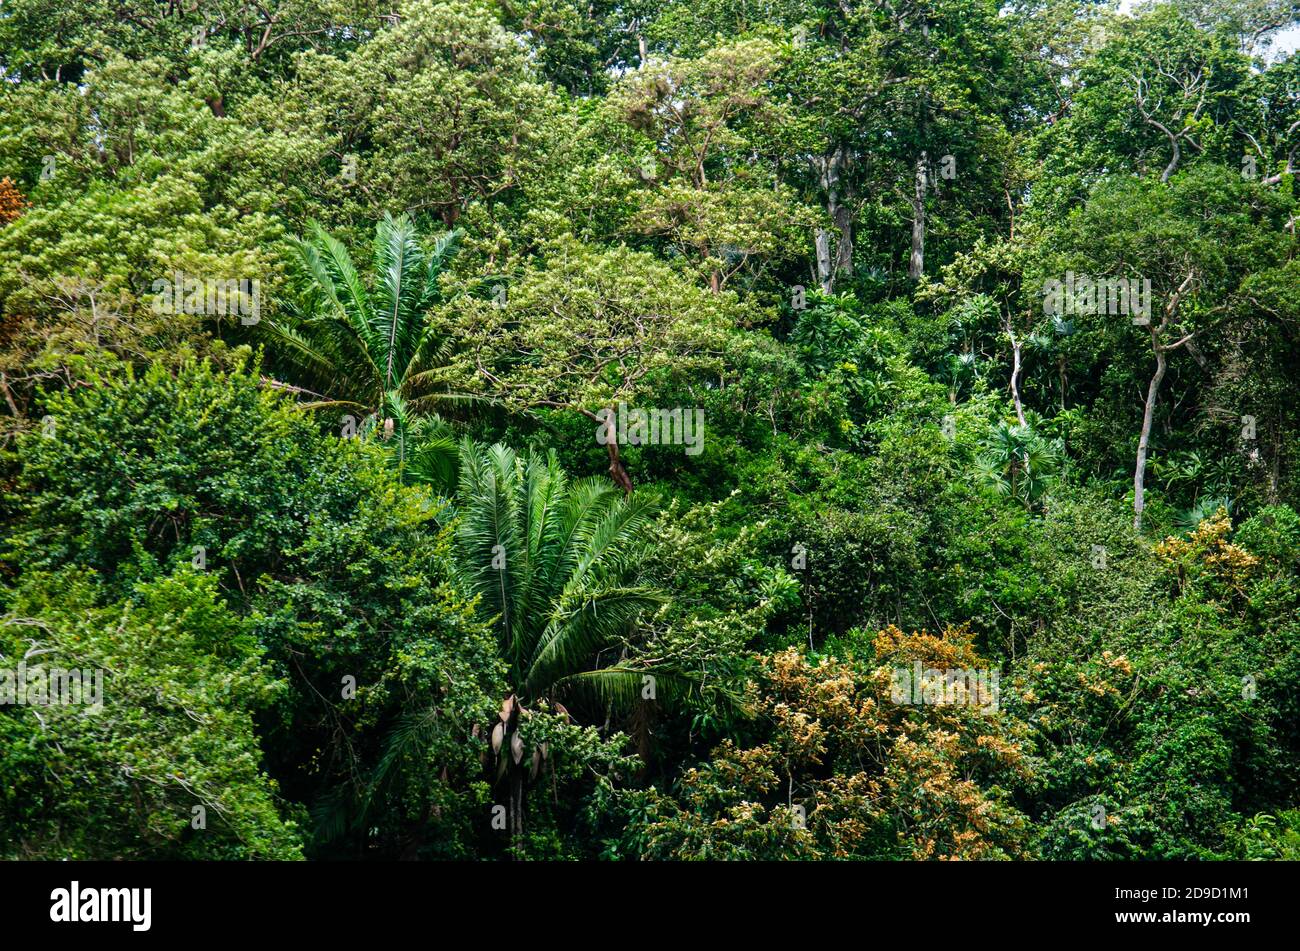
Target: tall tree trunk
1015, 379
1273, 479
830, 170
617, 472
825, 270
1144, 441
1161, 350
516, 807
9, 397
916, 264
1016, 365
843, 218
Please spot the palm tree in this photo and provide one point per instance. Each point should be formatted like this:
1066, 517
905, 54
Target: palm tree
368, 345
556, 566
1019, 463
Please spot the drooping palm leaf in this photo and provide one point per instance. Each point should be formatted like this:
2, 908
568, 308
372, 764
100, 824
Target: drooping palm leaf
583, 623
624, 687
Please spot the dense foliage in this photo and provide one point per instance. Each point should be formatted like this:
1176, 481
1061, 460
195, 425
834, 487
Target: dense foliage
801, 430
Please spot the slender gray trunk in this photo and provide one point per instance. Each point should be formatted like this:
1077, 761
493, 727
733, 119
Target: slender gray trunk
516, 806
1015, 378
825, 271
916, 264
1144, 441
830, 170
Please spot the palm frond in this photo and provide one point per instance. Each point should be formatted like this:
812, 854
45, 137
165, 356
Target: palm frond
413, 733
400, 300
335, 274
487, 536
613, 535
333, 815
585, 621
434, 457
301, 350
440, 254
622, 688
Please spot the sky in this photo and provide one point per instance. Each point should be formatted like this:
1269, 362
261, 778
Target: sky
1284, 42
